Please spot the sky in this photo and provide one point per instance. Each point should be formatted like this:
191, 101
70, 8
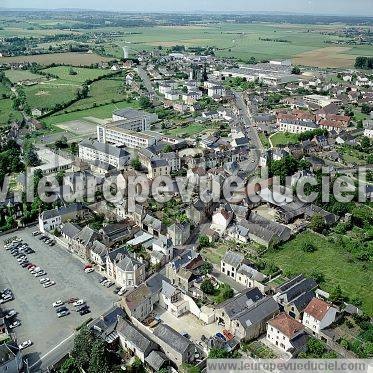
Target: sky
339, 7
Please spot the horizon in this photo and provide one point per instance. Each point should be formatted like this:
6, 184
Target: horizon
342, 8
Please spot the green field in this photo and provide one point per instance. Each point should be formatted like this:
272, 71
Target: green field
7, 112
354, 278
100, 112
47, 95
243, 41
283, 138
102, 91
82, 74
16, 76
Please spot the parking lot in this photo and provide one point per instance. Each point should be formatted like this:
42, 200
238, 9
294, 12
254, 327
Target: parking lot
33, 302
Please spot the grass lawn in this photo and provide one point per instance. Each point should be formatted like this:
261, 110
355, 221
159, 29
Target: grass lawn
264, 140
101, 112
354, 278
283, 138
46, 96
214, 254
190, 130
83, 74
16, 76
7, 112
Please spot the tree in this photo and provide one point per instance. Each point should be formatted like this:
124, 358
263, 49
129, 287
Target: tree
59, 177
144, 102
315, 348
136, 164
336, 295
30, 157
295, 70
365, 142
167, 148
317, 223
308, 247
203, 241
74, 148
69, 366
206, 268
219, 353
207, 287
99, 359
61, 143
83, 344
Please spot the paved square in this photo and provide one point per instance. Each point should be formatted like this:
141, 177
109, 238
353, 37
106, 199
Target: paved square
34, 303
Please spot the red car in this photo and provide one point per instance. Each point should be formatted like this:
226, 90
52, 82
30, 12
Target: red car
72, 300
87, 266
228, 335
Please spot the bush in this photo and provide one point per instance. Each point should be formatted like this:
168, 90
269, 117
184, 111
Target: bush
308, 247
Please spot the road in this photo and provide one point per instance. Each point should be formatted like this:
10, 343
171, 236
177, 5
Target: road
145, 78
245, 115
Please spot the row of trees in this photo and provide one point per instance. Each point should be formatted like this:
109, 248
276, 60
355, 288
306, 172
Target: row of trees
365, 63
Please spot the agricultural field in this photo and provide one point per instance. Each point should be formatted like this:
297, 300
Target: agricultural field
70, 58
16, 76
329, 259
102, 91
81, 74
7, 113
304, 43
47, 95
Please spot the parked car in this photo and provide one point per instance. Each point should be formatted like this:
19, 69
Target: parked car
78, 303
49, 284
14, 324
109, 284
82, 308
36, 233
102, 279
58, 303
41, 273
63, 313
10, 314
220, 336
72, 300
185, 334
52, 243
89, 270
6, 298
85, 312
60, 309
25, 344
44, 280
228, 335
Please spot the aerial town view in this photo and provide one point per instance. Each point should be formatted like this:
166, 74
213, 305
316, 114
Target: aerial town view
186, 186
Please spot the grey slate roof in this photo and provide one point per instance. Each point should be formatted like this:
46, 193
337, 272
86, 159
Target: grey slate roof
130, 333
251, 272
167, 289
238, 305
156, 359
49, 214
128, 263
105, 148
99, 248
233, 258
70, 229
86, 236
170, 336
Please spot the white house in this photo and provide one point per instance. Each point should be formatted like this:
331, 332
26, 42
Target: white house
283, 330
172, 96
216, 91
368, 128
221, 219
318, 315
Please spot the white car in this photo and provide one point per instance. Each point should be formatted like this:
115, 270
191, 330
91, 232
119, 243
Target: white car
14, 324
44, 280
58, 303
10, 314
104, 283
88, 270
6, 298
25, 344
48, 284
78, 303
121, 291
40, 273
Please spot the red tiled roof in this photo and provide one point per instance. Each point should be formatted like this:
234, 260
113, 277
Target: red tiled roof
286, 325
332, 123
317, 308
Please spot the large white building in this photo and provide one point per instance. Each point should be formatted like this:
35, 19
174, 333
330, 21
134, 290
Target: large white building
93, 151
132, 116
296, 126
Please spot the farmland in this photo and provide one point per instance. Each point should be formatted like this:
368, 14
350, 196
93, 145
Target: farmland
74, 59
16, 76
7, 112
76, 75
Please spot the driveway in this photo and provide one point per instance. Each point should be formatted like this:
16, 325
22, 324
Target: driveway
34, 303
